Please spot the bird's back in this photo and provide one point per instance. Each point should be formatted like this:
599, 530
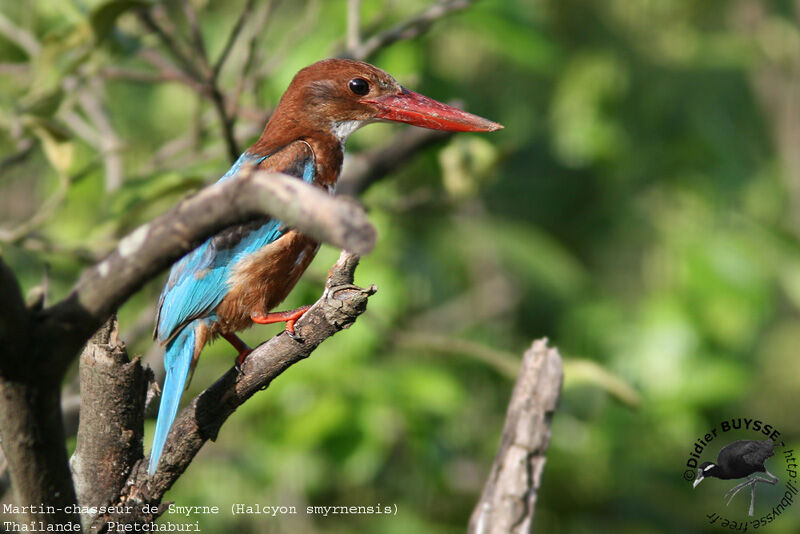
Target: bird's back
744, 457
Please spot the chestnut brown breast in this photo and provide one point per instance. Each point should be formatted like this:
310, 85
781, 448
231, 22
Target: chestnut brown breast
263, 279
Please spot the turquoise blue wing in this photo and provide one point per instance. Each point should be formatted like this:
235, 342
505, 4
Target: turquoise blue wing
199, 281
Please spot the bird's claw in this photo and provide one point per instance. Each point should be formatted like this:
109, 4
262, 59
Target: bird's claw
240, 360
290, 331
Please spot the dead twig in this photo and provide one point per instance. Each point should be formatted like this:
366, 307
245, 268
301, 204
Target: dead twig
408, 29
508, 500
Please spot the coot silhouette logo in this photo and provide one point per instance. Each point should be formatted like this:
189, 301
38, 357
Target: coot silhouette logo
740, 449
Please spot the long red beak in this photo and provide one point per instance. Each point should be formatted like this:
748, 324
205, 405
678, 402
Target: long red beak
414, 108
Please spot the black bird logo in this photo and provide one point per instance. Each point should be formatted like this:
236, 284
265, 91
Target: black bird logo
738, 460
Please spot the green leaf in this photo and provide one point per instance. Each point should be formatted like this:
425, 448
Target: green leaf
105, 16
43, 104
56, 141
466, 162
62, 52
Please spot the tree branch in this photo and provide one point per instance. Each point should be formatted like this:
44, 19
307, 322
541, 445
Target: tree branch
197, 36
408, 29
341, 303
236, 31
364, 169
153, 247
30, 417
19, 36
509, 497
353, 24
13, 316
93, 101
174, 48
5, 480
113, 391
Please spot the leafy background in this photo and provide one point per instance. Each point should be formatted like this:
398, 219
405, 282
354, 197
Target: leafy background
641, 209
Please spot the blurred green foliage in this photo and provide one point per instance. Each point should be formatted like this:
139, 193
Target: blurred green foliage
641, 208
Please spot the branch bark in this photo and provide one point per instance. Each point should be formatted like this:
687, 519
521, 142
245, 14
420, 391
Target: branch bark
113, 391
341, 303
509, 496
153, 247
39, 346
30, 416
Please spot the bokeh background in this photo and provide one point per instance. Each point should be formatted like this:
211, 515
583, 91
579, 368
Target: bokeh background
641, 209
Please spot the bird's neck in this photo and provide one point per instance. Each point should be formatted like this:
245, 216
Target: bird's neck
327, 145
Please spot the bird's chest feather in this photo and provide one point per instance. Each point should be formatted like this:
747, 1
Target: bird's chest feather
261, 280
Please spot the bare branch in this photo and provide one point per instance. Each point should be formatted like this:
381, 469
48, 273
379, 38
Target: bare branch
226, 120
166, 69
244, 78
24, 149
509, 497
70, 412
236, 31
92, 101
33, 442
505, 363
364, 169
20, 37
339, 306
5, 480
154, 246
197, 36
30, 417
172, 46
42, 215
202, 75
353, 24
109, 443
15, 69
13, 319
408, 29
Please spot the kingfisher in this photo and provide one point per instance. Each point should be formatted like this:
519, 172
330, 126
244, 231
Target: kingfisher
237, 276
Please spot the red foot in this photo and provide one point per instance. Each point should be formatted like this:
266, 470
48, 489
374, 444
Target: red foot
241, 346
289, 317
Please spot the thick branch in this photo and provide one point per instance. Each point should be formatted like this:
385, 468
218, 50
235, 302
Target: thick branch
5, 480
200, 421
113, 390
30, 417
153, 247
13, 320
509, 497
33, 443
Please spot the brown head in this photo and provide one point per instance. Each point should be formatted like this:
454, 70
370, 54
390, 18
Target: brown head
337, 96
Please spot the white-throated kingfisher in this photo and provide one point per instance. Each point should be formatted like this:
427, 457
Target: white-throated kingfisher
236, 277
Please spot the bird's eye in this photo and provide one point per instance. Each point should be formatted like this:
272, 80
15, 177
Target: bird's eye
359, 86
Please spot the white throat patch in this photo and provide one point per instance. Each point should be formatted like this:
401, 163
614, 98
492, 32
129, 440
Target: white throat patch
343, 129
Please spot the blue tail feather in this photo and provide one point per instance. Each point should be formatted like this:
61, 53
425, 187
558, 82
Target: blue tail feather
177, 360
